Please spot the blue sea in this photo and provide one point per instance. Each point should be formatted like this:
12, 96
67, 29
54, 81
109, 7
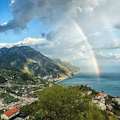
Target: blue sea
109, 82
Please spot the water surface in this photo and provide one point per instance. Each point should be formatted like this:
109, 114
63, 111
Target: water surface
109, 82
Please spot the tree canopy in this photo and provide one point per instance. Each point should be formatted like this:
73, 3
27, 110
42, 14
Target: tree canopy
59, 102
65, 103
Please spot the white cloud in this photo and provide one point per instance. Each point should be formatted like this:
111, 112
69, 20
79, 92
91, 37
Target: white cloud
47, 11
3, 24
3, 44
89, 10
12, 1
95, 34
80, 9
109, 56
30, 42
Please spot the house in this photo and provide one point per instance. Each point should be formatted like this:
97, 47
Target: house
89, 92
117, 99
102, 94
109, 106
95, 100
14, 114
100, 100
86, 85
102, 106
10, 114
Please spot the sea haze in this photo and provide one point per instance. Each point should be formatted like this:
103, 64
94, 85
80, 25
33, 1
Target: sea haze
109, 82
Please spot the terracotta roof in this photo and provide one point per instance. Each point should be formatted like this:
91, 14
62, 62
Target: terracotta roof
98, 94
11, 111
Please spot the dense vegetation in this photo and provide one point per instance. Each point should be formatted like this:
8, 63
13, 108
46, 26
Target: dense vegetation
2, 79
8, 98
31, 61
65, 103
15, 76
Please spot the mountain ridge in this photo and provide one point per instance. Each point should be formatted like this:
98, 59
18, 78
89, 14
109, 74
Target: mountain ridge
32, 61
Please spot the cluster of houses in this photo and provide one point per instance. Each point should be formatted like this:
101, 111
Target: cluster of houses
104, 102
14, 114
100, 100
22, 101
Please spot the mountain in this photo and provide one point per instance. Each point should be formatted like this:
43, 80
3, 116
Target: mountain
67, 66
31, 61
15, 76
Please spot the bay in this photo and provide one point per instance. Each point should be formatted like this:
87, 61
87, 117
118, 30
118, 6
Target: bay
109, 82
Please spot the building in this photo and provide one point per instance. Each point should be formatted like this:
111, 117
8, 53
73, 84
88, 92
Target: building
10, 114
14, 114
102, 106
89, 92
117, 99
100, 100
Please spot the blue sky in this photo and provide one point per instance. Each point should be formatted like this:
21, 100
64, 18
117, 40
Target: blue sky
52, 28
33, 29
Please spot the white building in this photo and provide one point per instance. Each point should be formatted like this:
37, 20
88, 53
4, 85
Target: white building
10, 114
117, 99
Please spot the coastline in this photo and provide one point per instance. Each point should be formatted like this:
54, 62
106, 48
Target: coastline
61, 79
64, 78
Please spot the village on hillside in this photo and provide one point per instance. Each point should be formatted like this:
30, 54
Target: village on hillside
103, 101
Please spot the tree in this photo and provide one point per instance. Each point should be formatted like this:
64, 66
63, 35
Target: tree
95, 114
26, 76
59, 102
2, 79
64, 103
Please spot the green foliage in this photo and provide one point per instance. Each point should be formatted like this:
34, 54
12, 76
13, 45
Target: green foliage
65, 103
94, 114
16, 76
61, 103
26, 76
29, 109
8, 98
1, 111
2, 79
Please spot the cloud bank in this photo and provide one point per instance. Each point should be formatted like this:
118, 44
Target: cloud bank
47, 11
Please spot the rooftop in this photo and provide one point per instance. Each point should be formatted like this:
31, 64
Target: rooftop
11, 111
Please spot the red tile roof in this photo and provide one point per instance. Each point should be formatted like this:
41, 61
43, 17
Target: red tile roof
98, 94
11, 111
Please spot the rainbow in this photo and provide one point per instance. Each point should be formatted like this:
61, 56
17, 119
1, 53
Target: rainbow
89, 46
107, 26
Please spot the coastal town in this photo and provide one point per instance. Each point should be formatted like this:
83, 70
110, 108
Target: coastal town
106, 102
103, 101
18, 95
11, 101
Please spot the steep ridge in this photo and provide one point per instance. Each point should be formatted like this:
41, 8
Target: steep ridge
31, 61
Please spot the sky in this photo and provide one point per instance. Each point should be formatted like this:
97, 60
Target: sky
85, 33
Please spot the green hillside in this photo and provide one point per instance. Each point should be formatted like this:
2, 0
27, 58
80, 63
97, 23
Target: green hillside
31, 61
15, 76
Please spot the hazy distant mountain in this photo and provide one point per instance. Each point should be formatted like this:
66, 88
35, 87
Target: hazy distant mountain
67, 66
32, 61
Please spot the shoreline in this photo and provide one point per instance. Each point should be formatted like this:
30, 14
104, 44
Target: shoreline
64, 78
61, 79
67, 79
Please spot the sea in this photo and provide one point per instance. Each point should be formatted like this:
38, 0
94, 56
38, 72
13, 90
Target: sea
108, 82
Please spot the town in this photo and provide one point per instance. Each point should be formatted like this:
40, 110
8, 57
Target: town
105, 102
